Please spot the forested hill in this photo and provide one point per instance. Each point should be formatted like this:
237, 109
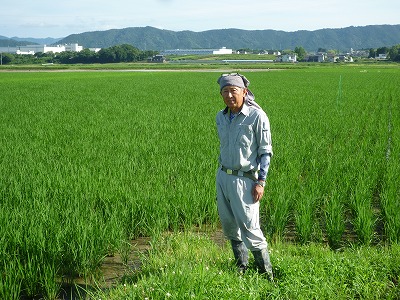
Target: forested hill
150, 38
6, 42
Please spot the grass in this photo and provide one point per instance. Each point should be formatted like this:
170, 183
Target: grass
192, 266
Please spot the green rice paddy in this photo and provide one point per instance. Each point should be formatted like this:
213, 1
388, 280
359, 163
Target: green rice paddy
91, 160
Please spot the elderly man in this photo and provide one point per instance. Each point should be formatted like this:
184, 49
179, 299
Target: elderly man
245, 153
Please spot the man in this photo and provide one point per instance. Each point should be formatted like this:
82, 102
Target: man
245, 153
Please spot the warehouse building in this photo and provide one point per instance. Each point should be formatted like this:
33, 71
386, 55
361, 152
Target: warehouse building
222, 50
32, 49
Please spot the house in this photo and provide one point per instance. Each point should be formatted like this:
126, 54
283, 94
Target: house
333, 58
157, 59
316, 58
288, 58
381, 56
345, 58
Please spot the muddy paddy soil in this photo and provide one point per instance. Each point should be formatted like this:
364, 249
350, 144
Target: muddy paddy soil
114, 269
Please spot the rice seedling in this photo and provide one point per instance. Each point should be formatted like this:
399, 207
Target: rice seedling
334, 219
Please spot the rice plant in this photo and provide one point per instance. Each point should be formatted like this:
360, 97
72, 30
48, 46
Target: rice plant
334, 218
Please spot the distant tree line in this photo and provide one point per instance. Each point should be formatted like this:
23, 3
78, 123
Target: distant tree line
393, 53
114, 54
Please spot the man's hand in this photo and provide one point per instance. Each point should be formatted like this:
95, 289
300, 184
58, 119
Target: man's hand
258, 192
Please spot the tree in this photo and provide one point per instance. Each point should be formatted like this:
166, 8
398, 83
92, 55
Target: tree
86, 56
106, 55
66, 57
382, 50
132, 53
372, 53
301, 53
6, 58
143, 55
394, 53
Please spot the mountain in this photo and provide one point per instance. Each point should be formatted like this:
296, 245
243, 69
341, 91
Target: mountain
150, 38
16, 41
7, 42
40, 41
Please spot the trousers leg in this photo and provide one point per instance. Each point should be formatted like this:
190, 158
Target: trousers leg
241, 255
238, 213
263, 263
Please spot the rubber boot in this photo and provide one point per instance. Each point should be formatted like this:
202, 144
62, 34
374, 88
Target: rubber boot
241, 255
263, 263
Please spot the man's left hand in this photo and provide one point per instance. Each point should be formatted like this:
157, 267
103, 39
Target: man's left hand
258, 192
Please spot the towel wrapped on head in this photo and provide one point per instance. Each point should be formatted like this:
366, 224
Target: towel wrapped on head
239, 80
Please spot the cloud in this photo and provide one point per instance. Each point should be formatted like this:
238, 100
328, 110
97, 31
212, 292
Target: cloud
76, 16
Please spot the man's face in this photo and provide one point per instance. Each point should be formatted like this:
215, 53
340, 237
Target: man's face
233, 97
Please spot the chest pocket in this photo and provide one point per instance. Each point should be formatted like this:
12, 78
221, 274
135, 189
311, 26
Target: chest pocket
223, 134
245, 135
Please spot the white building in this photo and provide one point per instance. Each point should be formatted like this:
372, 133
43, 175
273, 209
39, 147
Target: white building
289, 58
95, 49
32, 49
381, 57
222, 50
73, 47
24, 52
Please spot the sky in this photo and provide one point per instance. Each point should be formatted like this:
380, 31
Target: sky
57, 19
